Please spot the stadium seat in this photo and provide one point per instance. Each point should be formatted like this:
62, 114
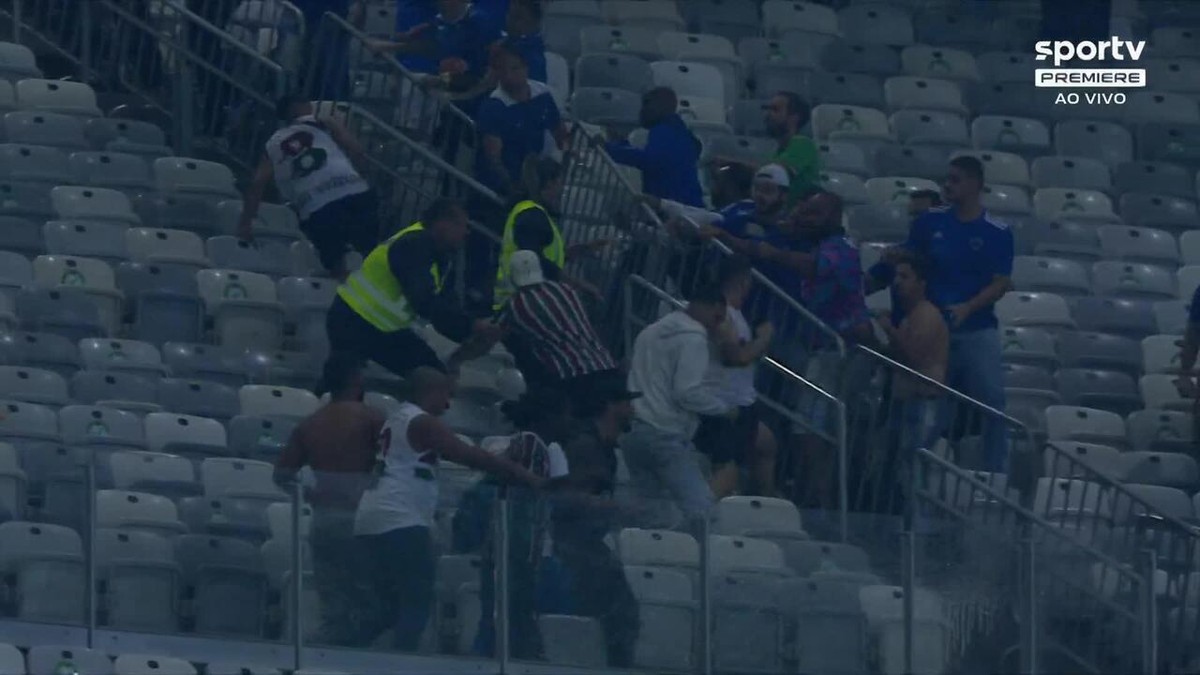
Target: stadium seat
849, 89
104, 241
1081, 349
13, 483
844, 157
1082, 205
1005, 67
713, 50
1176, 41
1162, 178
244, 308
831, 633
1045, 310
93, 277
17, 62
1161, 430
274, 222
1138, 244
194, 212
69, 312
573, 640
86, 203
1022, 376
1073, 423
1005, 168
33, 385
1099, 389
227, 584
887, 222
615, 71
140, 580
184, 434
113, 170
702, 112
34, 164
845, 122
896, 189
924, 94
126, 391
857, 57
1158, 211
1108, 142
1170, 316
101, 428
937, 130
259, 437
121, 355
876, 24
57, 96
127, 136
636, 40
45, 658
137, 511
46, 567
1174, 75
927, 61
689, 79
20, 236
783, 17
187, 175
667, 606
1102, 458
27, 420
747, 624
262, 257
1029, 345
884, 609
1080, 173
167, 247
139, 664
659, 16
608, 107
1160, 107
1020, 135
1132, 318
43, 350
1161, 392
275, 401
1052, 275
1132, 280
164, 301
35, 127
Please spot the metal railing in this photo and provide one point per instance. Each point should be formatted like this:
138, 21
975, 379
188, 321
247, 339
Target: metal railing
1022, 585
642, 311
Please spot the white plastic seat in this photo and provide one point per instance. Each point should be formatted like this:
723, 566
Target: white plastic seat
877, 24
226, 477
884, 609
266, 400
140, 579
661, 16
637, 40
849, 187
165, 246
96, 239
1079, 173
1074, 423
46, 563
1104, 459
1138, 244
154, 472
1108, 142
558, 78
781, 17
141, 511
1161, 211
896, 189
756, 516
184, 174
658, 548
1030, 346
85, 203
1004, 67
33, 385
1051, 275
94, 426
930, 128
139, 664
37, 127
1013, 134
1158, 107
1175, 41
939, 62
1164, 178
830, 121
1162, 392
927, 160
114, 170
174, 433
1084, 205
128, 136
13, 482
1034, 309
666, 599
1174, 75
17, 62
91, 276
690, 79
279, 520
1189, 248
922, 93
1132, 280
34, 163
1171, 316
68, 98
45, 658
1161, 430
713, 50
703, 111
573, 640
263, 257
1167, 469
1005, 200
844, 156
729, 554
244, 307
121, 355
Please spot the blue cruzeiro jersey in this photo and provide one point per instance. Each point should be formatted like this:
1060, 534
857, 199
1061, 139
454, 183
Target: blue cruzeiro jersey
964, 257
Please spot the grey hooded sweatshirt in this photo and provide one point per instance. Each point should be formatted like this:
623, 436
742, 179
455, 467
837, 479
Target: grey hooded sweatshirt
670, 359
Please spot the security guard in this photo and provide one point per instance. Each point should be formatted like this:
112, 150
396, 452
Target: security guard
402, 279
530, 226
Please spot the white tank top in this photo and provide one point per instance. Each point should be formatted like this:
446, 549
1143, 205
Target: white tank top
734, 386
405, 490
310, 168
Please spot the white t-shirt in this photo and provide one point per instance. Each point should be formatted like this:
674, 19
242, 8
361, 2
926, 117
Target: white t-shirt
311, 170
405, 492
734, 386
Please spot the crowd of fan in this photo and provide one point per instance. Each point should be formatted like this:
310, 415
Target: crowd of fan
690, 382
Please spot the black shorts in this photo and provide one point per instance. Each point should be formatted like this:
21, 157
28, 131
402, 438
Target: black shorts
724, 440
400, 351
350, 223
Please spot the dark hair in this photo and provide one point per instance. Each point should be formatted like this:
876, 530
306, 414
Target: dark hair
440, 209
707, 292
506, 48
732, 267
285, 103
796, 106
536, 405
934, 197
340, 370
970, 166
918, 263
740, 176
536, 172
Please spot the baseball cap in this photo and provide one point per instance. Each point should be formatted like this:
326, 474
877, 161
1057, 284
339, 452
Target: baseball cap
774, 174
525, 267
591, 398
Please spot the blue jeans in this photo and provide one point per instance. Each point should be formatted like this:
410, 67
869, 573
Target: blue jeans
664, 470
976, 369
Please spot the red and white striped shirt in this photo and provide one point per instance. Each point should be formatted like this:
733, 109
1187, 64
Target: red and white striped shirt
552, 317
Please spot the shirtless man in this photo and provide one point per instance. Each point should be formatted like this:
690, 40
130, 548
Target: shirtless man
921, 342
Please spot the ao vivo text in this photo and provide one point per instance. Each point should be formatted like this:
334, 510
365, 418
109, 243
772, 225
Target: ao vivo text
1090, 98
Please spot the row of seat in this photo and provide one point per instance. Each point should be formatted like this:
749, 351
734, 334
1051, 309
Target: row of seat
53, 659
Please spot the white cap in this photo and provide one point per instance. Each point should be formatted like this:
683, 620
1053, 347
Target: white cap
525, 269
774, 174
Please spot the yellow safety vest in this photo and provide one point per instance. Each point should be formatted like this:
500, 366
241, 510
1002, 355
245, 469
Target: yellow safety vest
555, 251
374, 293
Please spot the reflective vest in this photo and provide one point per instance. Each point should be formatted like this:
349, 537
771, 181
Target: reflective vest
555, 251
374, 293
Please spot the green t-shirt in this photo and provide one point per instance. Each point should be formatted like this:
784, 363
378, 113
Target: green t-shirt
803, 163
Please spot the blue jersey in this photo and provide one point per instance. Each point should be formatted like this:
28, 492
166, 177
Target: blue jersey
963, 259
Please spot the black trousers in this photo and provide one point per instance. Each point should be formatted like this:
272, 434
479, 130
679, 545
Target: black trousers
402, 572
349, 223
602, 592
401, 351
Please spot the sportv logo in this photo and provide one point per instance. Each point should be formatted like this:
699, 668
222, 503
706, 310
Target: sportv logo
1112, 49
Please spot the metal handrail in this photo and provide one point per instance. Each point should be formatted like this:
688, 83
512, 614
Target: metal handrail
446, 103
220, 33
